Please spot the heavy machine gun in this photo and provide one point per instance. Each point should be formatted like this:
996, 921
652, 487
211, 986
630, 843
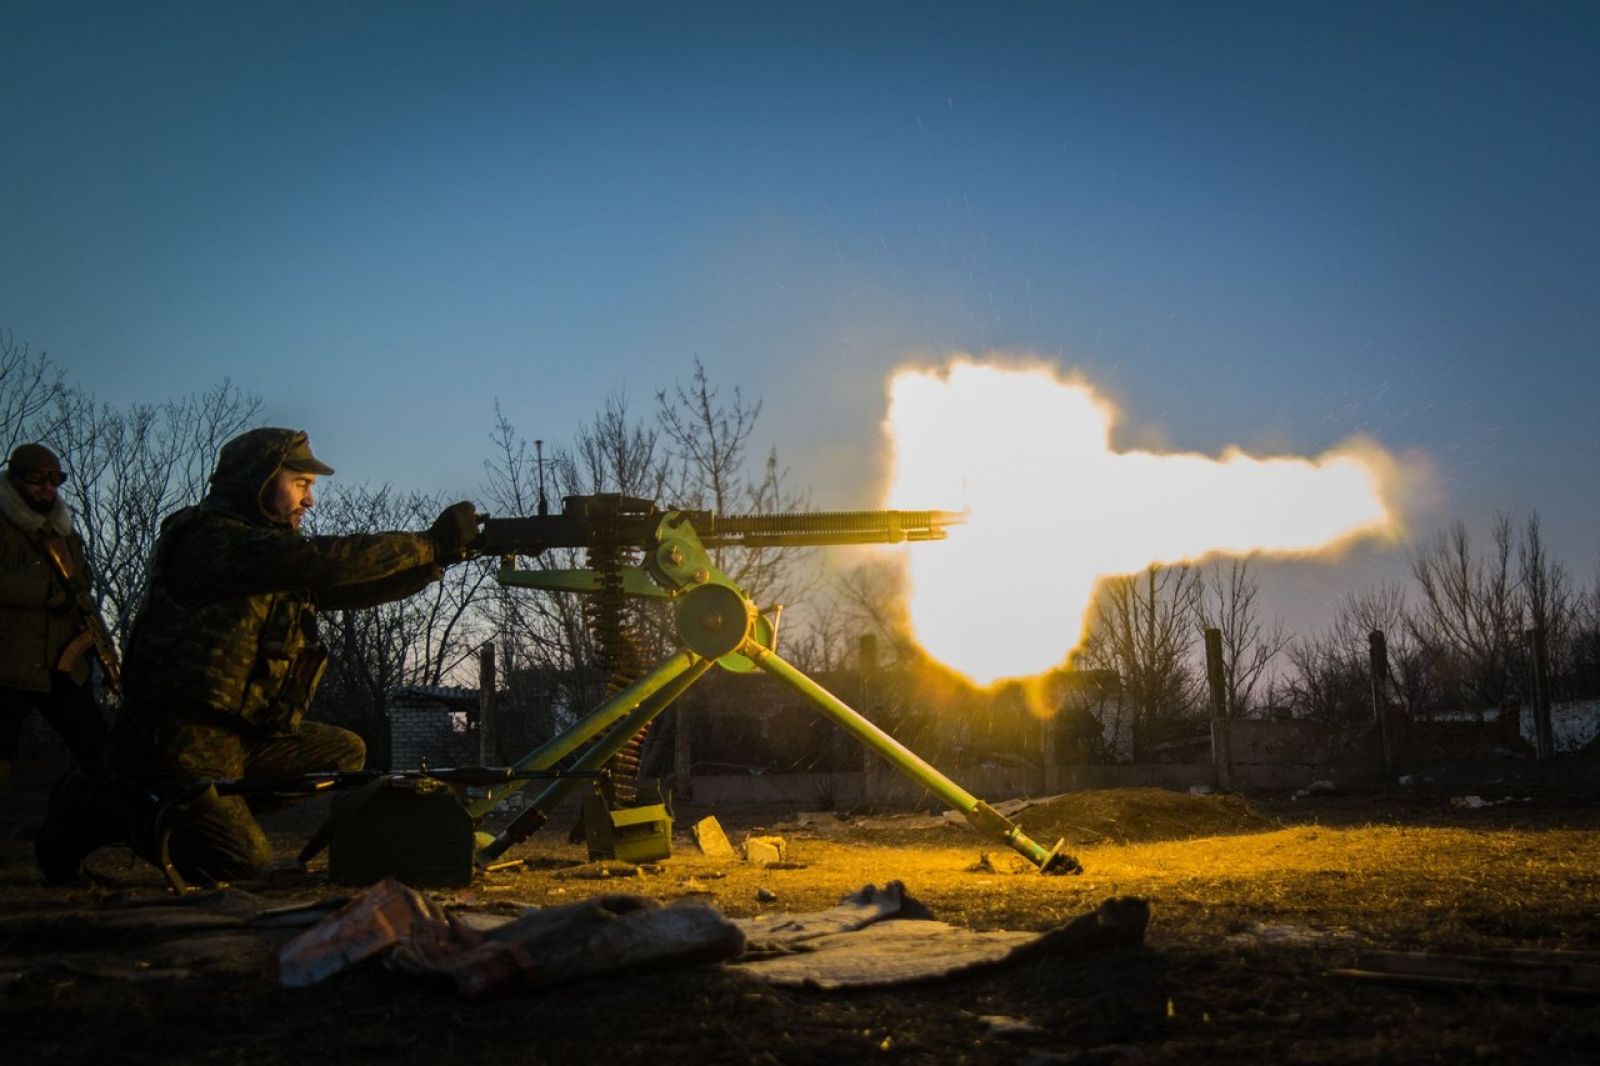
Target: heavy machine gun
637, 549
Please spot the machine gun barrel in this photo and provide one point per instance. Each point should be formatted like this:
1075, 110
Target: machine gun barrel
822, 527
579, 527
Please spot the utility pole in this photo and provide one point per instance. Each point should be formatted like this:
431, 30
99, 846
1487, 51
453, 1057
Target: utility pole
1221, 748
1539, 668
486, 705
1378, 663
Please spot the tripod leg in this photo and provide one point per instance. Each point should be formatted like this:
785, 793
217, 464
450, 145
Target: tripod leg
984, 818
594, 723
597, 755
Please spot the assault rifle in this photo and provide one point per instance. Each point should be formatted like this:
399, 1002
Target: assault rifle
717, 624
94, 635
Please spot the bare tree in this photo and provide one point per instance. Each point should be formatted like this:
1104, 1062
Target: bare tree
1469, 613
414, 641
710, 438
543, 637
1143, 628
615, 453
1330, 677
1583, 667
1547, 597
29, 388
131, 468
1227, 603
870, 599
710, 441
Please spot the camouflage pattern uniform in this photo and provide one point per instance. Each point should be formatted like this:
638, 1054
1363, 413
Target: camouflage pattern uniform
224, 656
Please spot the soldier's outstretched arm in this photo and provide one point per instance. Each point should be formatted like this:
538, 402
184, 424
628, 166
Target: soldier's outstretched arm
222, 561
383, 590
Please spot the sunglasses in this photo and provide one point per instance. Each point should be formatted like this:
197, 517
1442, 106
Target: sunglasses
40, 478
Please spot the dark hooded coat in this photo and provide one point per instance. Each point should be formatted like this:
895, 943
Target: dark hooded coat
228, 626
38, 617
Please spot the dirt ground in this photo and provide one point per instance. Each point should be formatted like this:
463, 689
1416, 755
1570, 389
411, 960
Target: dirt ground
1256, 905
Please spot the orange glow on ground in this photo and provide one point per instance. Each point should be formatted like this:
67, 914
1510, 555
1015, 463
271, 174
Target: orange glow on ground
1052, 509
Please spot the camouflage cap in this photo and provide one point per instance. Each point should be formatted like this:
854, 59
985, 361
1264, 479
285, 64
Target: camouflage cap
28, 457
299, 458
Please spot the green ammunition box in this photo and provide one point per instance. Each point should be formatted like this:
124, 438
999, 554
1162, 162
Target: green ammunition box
642, 834
632, 834
412, 829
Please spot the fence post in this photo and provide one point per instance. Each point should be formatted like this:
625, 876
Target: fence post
1378, 664
487, 755
1221, 748
1543, 728
1052, 764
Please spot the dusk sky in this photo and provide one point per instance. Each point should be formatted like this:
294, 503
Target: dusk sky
1276, 225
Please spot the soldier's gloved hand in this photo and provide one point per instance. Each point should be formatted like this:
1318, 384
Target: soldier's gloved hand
455, 531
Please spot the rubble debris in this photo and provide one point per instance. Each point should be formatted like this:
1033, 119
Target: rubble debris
606, 933
780, 933
766, 895
1317, 788
764, 850
1561, 972
1288, 933
821, 822
375, 921
297, 915
906, 950
557, 945
603, 870
713, 842
984, 865
1131, 815
1473, 803
1005, 1025
509, 864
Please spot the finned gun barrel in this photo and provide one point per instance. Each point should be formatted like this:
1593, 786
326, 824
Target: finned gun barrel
822, 527
598, 521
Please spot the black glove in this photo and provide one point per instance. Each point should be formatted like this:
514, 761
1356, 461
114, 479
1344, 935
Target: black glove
455, 531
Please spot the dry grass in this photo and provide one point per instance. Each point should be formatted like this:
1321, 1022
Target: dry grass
1433, 887
1252, 906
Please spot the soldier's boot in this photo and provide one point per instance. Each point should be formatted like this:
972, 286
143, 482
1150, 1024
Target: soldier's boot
86, 813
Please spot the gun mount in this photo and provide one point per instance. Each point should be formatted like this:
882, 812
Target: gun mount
716, 623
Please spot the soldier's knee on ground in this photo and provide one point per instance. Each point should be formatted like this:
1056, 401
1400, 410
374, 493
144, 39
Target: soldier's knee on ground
215, 838
355, 755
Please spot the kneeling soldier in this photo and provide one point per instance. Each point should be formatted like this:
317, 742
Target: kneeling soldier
224, 658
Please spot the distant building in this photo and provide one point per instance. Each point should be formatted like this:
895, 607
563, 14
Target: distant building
433, 723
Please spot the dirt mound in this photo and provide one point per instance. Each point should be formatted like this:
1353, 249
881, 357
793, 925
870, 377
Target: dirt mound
1129, 815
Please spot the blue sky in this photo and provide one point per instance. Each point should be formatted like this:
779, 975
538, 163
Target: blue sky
1269, 224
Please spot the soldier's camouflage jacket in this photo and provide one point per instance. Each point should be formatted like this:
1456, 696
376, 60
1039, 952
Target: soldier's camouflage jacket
228, 624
